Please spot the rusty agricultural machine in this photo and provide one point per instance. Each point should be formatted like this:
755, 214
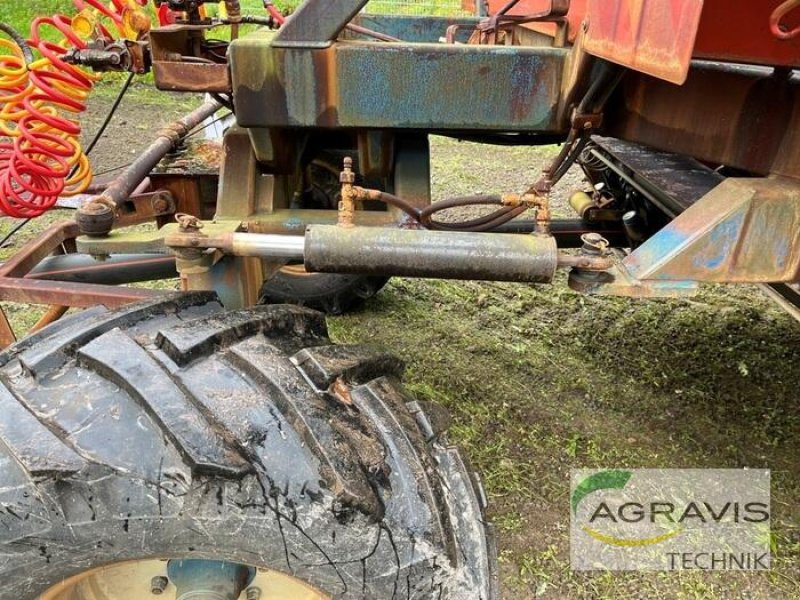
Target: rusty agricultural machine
212, 444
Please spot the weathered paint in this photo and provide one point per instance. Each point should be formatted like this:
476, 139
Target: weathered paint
743, 231
397, 86
728, 30
743, 117
651, 36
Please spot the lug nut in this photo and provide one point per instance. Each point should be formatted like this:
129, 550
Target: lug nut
253, 593
158, 584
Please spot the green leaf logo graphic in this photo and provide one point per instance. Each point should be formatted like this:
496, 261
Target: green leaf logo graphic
602, 480
605, 480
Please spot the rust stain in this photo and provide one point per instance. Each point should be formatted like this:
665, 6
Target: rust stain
341, 392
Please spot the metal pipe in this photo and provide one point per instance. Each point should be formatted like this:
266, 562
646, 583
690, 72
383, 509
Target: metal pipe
568, 232
53, 314
122, 187
275, 246
370, 33
115, 270
265, 245
438, 254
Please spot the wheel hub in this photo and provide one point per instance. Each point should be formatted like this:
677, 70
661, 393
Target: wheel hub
182, 579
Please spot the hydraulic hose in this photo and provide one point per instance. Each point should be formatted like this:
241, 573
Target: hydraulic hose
40, 94
425, 218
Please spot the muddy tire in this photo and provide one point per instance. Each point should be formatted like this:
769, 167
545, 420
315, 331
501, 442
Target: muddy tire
331, 293
175, 429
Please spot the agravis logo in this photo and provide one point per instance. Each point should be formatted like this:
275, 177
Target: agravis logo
613, 479
688, 518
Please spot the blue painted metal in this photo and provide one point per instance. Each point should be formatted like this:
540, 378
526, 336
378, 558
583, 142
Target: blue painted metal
743, 231
398, 86
414, 30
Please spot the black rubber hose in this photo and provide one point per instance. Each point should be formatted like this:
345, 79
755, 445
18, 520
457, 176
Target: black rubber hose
460, 201
19, 40
498, 218
398, 202
483, 223
477, 224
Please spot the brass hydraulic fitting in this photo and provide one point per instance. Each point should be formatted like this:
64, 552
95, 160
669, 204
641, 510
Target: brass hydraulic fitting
540, 202
347, 204
542, 213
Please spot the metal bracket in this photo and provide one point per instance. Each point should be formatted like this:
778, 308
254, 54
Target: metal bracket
617, 281
316, 23
745, 230
147, 242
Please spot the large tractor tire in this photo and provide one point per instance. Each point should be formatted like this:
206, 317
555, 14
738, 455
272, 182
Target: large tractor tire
331, 293
175, 430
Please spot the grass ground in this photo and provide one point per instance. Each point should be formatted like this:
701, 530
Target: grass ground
540, 380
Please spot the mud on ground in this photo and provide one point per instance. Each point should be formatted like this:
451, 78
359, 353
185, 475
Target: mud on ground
540, 380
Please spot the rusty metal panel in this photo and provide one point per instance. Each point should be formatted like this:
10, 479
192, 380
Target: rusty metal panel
177, 76
742, 117
652, 36
397, 86
746, 230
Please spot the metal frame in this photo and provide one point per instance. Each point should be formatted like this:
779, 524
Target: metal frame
315, 75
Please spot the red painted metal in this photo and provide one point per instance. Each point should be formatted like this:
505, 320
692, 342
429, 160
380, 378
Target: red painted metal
576, 13
637, 32
740, 31
650, 36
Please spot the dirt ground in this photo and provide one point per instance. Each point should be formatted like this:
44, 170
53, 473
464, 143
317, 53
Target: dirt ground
540, 380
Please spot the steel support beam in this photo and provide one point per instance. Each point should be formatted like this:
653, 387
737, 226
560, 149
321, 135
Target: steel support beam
316, 23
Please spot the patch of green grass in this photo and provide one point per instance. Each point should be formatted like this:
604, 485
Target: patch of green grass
20, 15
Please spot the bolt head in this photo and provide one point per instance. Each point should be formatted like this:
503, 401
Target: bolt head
253, 593
158, 584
